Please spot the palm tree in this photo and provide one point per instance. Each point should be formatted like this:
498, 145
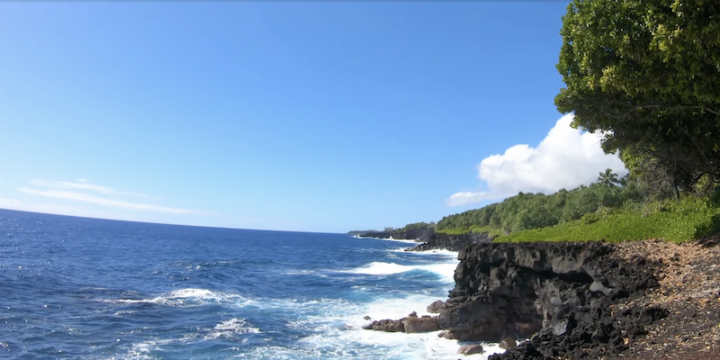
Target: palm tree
608, 177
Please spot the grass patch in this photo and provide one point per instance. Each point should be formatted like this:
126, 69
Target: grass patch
672, 220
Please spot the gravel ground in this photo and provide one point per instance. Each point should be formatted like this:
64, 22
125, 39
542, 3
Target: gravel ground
690, 290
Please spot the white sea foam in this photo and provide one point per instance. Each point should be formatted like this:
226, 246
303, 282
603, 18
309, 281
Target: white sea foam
441, 252
186, 297
444, 269
230, 328
141, 350
390, 239
337, 327
403, 240
334, 325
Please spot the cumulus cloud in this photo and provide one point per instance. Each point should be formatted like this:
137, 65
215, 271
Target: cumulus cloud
566, 158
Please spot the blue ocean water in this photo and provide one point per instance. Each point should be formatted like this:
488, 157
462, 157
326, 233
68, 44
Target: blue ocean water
79, 288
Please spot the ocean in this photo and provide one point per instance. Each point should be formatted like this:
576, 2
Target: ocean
80, 288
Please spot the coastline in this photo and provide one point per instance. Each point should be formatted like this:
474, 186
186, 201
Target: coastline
437, 347
643, 299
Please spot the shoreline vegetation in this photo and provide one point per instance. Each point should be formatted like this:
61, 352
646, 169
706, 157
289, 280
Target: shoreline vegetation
625, 268
598, 212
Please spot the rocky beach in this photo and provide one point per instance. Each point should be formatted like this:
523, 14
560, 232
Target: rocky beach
565, 300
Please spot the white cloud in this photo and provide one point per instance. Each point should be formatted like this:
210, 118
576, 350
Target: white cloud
85, 192
12, 204
82, 184
566, 158
9, 203
89, 198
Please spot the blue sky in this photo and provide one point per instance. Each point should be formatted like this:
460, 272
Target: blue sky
325, 116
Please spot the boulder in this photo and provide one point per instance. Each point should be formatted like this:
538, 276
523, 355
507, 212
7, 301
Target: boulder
386, 325
508, 343
420, 325
470, 349
436, 307
366, 317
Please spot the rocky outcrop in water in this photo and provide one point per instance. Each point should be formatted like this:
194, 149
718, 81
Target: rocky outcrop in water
439, 241
470, 349
410, 324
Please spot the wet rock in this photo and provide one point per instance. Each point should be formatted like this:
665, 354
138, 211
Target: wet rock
470, 349
435, 307
386, 325
597, 286
451, 242
420, 325
508, 343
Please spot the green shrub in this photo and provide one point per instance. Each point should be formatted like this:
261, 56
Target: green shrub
673, 220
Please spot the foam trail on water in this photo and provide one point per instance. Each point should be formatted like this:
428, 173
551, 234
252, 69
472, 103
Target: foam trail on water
185, 297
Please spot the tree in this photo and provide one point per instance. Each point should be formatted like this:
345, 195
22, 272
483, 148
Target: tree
647, 75
608, 178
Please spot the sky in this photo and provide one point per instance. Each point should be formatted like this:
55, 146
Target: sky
323, 117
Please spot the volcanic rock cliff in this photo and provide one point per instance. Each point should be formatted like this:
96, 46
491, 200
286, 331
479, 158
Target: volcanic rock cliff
563, 292
563, 296
452, 242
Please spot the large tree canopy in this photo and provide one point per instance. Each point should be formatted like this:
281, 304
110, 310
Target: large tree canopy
647, 73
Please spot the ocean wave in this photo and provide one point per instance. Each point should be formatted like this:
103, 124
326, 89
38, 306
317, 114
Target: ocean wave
231, 328
337, 333
185, 297
403, 240
142, 350
438, 252
444, 269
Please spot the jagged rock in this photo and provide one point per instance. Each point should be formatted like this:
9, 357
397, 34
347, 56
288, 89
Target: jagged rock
556, 294
451, 242
597, 286
435, 307
508, 343
470, 349
420, 325
386, 325
423, 233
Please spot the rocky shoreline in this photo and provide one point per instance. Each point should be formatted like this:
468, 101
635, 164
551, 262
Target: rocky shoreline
431, 240
580, 300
